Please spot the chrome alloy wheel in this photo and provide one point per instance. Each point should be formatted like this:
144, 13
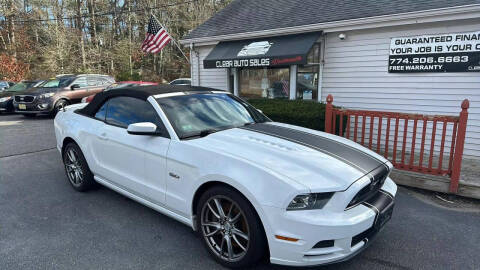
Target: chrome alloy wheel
73, 167
225, 228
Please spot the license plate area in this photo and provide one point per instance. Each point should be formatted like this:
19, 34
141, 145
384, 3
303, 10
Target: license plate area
22, 106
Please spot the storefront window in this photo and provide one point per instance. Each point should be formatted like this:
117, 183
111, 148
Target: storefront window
307, 75
264, 83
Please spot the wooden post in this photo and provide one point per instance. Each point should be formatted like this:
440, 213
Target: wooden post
328, 114
458, 155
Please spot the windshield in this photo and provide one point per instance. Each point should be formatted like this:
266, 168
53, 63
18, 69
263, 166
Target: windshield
20, 87
57, 82
198, 115
3, 85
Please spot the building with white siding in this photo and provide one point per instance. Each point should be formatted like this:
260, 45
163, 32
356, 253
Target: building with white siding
413, 56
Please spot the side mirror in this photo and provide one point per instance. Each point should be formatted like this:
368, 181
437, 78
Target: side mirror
144, 128
74, 86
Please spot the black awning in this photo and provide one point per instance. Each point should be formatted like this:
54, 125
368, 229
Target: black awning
263, 52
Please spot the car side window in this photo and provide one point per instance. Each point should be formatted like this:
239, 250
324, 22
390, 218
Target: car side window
91, 81
100, 115
102, 81
82, 82
95, 81
108, 81
123, 111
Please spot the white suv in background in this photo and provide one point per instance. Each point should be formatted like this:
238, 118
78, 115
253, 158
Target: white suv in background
181, 81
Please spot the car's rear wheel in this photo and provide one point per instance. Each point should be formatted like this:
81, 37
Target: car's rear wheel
76, 168
230, 228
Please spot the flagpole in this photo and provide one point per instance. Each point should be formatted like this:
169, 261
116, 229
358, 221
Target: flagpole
174, 41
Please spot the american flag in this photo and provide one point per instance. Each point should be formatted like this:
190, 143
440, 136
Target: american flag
156, 38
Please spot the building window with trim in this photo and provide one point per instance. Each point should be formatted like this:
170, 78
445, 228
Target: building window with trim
264, 82
308, 75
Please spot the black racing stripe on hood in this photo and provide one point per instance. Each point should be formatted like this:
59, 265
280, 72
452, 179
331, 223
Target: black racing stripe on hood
352, 156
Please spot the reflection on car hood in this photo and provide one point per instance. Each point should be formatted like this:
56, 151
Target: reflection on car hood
318, 169
34, 91
7, 94
28, 91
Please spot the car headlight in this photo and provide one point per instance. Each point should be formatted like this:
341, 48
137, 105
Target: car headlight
5, 99
47, 95
309, 201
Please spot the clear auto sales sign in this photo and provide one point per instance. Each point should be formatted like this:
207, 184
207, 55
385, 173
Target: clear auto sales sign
435, 53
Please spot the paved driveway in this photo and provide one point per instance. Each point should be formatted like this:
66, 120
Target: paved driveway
45, 224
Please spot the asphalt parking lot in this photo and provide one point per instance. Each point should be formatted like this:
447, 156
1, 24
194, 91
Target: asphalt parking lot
45, 224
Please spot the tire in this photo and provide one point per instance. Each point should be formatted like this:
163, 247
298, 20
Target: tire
10, 108
244, 253
76, 168
59, 105
30, 115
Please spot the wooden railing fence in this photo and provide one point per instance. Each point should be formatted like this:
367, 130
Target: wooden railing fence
395, 135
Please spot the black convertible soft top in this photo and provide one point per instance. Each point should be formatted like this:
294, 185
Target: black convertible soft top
141, 92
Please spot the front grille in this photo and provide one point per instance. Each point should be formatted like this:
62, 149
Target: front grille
24, 99
378, 177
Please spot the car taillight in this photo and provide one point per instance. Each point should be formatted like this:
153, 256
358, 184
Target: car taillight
87, 99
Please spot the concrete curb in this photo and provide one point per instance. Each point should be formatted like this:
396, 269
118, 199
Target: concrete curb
434, 183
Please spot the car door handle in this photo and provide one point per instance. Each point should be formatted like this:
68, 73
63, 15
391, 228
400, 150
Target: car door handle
103, 136
174, 175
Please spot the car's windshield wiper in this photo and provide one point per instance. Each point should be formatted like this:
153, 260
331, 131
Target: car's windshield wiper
209, 131
201, 134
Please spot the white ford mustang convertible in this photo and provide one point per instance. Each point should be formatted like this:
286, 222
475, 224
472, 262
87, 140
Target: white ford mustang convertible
249, 186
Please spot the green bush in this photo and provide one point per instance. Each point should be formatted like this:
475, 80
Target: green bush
125, 76
309, 114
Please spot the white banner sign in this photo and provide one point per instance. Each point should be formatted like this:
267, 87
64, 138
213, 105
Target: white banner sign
449, 43
459, 52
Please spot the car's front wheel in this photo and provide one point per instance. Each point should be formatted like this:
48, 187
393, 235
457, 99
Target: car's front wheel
230, 228
76, 168
59, 106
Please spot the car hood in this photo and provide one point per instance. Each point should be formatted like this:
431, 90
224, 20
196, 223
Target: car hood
7, 94
34, 91
283, 149
27, 91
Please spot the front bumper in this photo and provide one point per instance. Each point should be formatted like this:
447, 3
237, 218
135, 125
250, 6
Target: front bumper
339, 235
38, 106
6, 106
